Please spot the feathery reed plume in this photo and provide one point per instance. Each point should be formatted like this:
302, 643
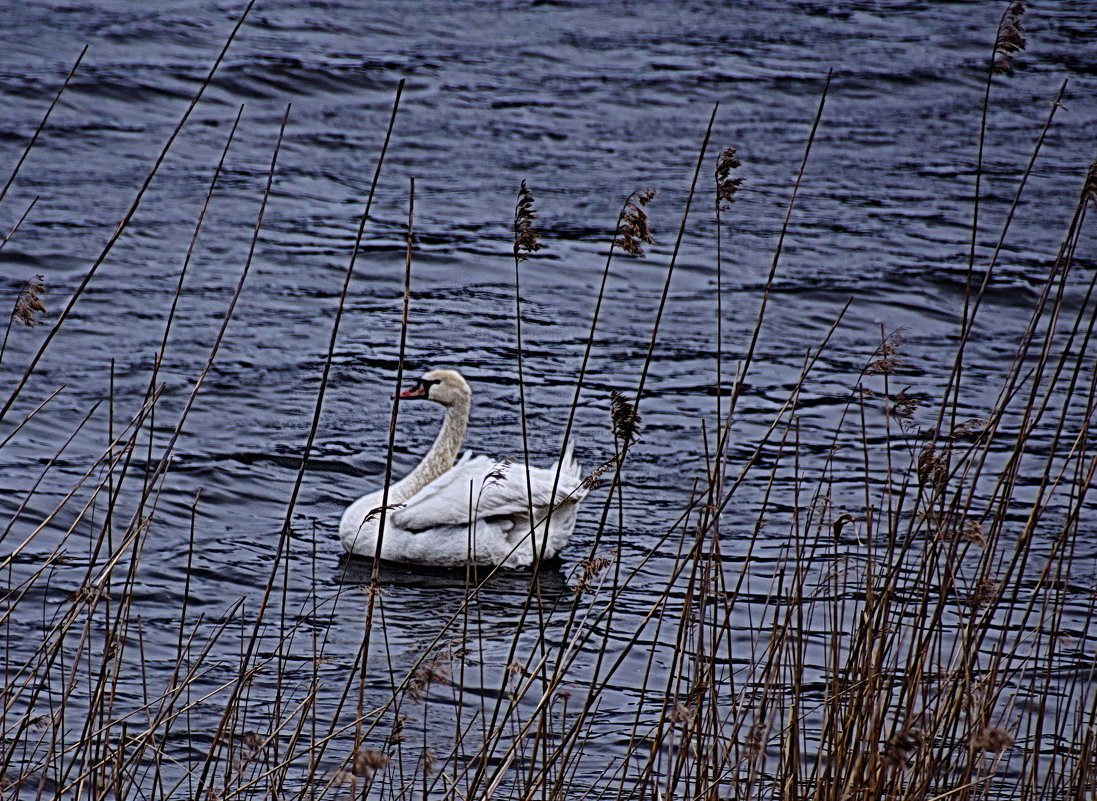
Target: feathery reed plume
993, 739
433, 671
903, 405
428, 762
901, 745
1010, 39
590, 569
1089, 190
367, 761
956, 527
397, 734
594, 478
971, 427
985, 591
885, 366
375, 511
633, 229
972, 531
887, 363
29, 303
626, 420
755, 741
933, 462
527, 240
498, 472
682, 715
726, 183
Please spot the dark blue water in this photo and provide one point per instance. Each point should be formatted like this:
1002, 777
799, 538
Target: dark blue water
586, 102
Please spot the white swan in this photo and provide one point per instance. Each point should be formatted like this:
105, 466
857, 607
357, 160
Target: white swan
476, 510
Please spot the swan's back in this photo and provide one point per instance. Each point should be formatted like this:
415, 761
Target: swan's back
478, 510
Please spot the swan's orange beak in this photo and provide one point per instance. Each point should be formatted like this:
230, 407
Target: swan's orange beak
417, 391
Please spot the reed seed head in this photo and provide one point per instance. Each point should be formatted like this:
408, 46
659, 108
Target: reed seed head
595, 476
726, 183
633, 229
904, 405
590, 569
887, 363
886, 366
969, 428
367, 761
953, 526
1090, 189
933, 463
527, 240
397, 733
29, 303
972, 531
993, 739
498, 472
900, 746
374, 512
428, 762
1010, 39
755, 740
682, 715
433, 671
626, 420
984, 592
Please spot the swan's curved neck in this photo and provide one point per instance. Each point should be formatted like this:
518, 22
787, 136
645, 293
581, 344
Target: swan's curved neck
441, 456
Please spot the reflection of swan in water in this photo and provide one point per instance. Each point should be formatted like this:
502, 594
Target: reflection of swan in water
502, 588
440, 506
480, 605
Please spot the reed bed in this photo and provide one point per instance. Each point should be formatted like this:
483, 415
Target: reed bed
924, 631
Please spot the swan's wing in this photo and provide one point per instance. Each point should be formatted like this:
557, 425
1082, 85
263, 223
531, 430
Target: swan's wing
492, 489
445, 501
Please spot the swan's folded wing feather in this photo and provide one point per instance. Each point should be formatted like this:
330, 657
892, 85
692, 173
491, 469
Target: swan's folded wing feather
495, 490
444, 501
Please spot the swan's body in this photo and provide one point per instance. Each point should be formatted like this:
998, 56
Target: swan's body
476, 510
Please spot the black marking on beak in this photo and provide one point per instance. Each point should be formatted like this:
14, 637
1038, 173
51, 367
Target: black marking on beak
421, 389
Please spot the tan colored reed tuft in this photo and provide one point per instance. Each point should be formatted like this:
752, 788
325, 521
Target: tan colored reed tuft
527, 240
1010, 39
633, 231
29, 303
726, 183
625, 419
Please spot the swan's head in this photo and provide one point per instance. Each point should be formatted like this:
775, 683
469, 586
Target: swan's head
446, 387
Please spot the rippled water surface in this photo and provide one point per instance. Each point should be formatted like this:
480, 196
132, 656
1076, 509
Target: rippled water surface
586, 102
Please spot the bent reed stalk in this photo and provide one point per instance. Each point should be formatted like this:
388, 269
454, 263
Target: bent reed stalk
921, 631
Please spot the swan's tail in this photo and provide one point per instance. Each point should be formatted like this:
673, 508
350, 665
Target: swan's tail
572, 486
